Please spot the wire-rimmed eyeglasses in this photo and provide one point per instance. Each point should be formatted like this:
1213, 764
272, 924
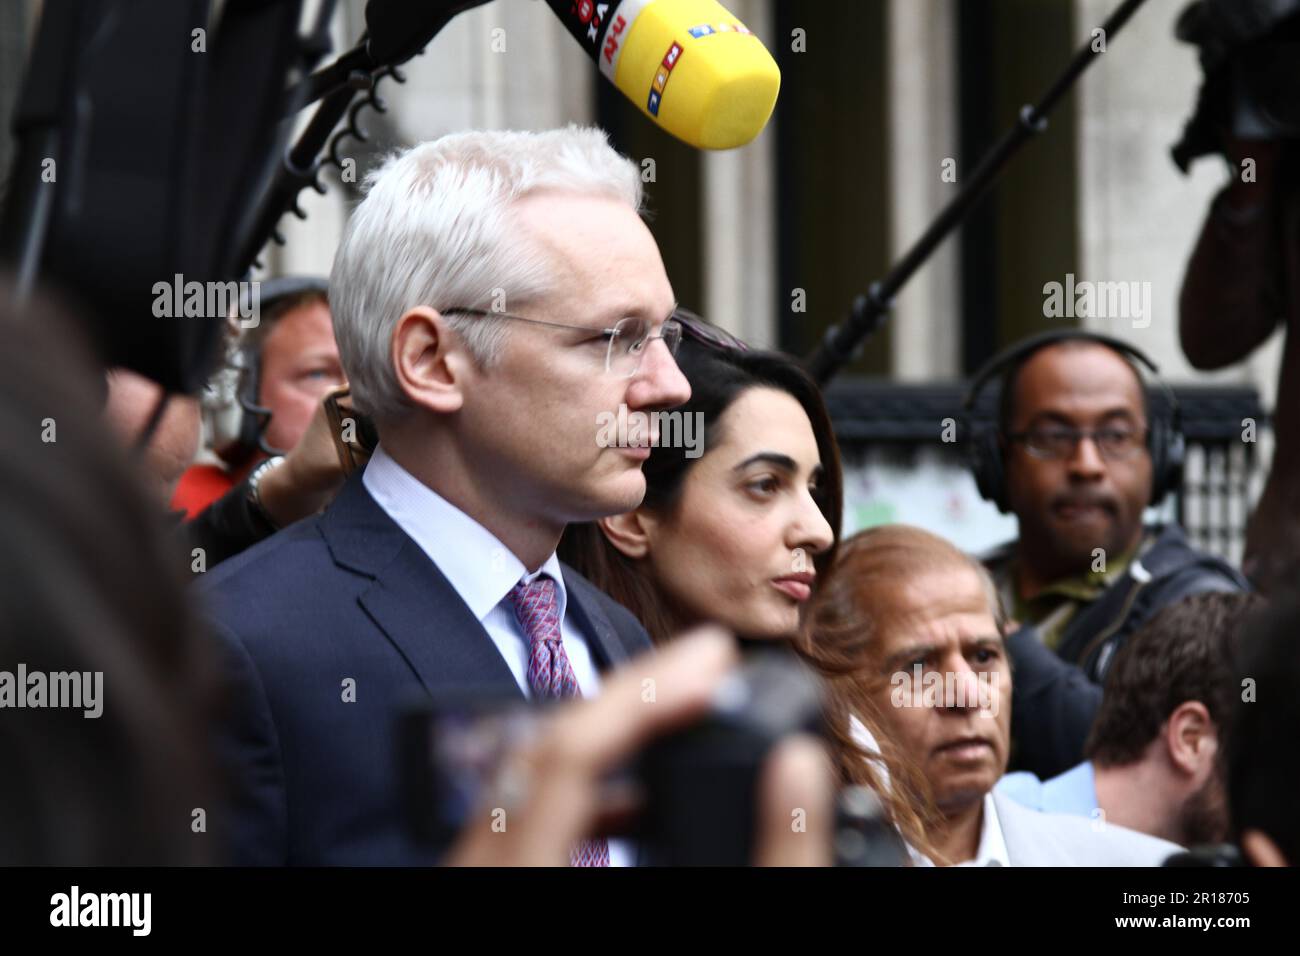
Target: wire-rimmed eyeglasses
628, 337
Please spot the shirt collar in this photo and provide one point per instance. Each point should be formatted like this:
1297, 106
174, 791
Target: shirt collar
1080, 588
475, 563
992, 849
1090, 584
993, 846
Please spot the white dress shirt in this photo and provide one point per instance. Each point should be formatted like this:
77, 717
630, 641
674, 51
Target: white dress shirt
992, 850
483, 572
993, 847
867, 741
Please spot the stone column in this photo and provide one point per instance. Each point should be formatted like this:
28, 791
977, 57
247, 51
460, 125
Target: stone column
922, 133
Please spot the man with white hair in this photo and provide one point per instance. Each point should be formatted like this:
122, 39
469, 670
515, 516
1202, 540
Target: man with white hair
495, 297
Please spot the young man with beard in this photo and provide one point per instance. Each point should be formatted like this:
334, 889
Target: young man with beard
1156, 757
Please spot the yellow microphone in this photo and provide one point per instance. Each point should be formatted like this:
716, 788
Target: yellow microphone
689, 65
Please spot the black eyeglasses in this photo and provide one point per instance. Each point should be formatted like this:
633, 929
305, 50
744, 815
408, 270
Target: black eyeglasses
1058, 442
627, 338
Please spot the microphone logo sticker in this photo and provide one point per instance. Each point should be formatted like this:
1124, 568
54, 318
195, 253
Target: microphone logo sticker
611, 44
661, 78
590, 15
708, 29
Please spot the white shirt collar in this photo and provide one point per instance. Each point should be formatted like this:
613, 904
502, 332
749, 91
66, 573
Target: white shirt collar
865, 739
482, 570
993, 846
992, 850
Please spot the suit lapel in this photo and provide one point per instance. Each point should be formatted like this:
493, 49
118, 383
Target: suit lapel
607, 649
410, 601
1018, 832
426, 620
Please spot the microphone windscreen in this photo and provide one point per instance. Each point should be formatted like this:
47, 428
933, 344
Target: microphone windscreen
692, 67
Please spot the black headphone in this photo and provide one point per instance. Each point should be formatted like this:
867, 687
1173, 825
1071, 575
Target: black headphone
250, 416
1165, 438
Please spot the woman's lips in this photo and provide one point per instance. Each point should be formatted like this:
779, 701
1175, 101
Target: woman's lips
796, 586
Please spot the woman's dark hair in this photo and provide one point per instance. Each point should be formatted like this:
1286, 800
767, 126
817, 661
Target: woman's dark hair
718, 377
91, 580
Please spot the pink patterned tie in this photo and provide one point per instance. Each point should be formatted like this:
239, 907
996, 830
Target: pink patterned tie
550, 675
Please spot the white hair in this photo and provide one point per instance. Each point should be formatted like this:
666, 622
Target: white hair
436, 229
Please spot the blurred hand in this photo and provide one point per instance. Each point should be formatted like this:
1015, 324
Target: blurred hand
309, 478
1260, 850
556, 781
798, 775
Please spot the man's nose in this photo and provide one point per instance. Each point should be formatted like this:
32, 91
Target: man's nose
1086, 461
658, 383
964, 683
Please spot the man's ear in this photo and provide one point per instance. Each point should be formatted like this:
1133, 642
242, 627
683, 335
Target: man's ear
630, 532
430, 363
1260, 850
1191, 737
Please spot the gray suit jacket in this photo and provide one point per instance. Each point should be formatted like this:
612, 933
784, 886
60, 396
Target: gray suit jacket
1059, 839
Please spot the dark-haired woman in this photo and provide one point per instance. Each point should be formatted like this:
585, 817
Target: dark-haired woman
737, 532
735, 529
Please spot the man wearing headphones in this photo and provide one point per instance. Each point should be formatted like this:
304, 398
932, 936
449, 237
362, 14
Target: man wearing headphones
1077, 452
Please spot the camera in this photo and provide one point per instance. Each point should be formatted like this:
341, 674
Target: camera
1250, 57
696, 787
